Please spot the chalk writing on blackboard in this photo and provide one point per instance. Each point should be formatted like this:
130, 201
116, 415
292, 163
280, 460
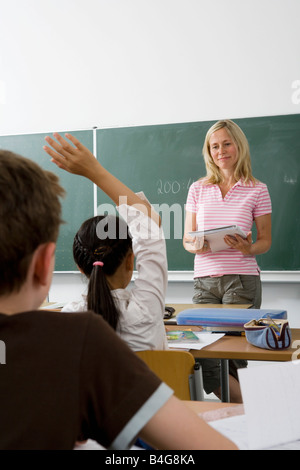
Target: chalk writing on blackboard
173, 187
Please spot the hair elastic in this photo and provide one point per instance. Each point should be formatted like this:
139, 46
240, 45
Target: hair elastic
98, 263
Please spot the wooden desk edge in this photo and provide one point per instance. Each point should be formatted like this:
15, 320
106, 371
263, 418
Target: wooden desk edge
203, 406
237, 347
211, 411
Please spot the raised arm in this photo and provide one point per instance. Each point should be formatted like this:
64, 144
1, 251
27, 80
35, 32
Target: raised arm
78, 159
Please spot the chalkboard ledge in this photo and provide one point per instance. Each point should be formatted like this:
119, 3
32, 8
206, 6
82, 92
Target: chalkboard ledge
187, 276
266, 276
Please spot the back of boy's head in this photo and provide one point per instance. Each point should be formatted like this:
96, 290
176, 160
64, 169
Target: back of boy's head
103, 239
30, 215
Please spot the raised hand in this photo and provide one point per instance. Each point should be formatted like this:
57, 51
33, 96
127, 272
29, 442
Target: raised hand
75, 158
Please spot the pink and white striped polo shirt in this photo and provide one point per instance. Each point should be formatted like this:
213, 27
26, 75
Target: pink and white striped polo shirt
241, 205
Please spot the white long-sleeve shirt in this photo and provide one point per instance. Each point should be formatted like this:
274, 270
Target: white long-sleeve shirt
142, 307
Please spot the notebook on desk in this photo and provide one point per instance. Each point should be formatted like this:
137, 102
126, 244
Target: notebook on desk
215, 319
272, 408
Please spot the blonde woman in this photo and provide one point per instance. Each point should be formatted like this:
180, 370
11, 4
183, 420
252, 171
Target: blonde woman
228, 195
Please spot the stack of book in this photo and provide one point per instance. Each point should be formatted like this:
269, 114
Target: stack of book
226, 319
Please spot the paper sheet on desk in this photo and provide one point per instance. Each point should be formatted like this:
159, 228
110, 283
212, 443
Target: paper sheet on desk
205, 339
271, 401
90, 444
52, 305
235, 429
272, 409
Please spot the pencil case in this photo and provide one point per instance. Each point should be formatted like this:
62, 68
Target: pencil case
268, 333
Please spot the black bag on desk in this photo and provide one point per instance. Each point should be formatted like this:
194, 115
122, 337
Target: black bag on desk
268, 333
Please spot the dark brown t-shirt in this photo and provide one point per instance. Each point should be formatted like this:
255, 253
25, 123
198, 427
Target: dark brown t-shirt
68, 376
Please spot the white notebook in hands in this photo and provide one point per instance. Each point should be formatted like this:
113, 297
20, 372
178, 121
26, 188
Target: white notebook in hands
215, 236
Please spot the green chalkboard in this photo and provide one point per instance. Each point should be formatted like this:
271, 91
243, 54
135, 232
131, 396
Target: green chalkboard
78, 204
164, 160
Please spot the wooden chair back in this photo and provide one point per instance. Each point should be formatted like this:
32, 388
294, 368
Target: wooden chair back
175, 368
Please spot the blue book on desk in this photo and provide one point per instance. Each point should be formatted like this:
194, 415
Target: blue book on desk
216, 319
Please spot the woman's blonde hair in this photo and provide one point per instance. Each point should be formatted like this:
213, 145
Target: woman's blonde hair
243, 165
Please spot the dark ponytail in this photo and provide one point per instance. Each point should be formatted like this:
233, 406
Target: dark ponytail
102, 239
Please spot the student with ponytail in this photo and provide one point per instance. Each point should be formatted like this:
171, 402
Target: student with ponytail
99, 259
104, 250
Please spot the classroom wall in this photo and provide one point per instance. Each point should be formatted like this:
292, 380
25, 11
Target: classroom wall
74, 64
81, 63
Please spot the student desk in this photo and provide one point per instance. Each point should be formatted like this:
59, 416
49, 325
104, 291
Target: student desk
237, 347
170, 323
203, 406
231, 347
216, 409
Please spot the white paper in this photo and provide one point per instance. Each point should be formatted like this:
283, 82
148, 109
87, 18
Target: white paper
216, 236
93, 445
234, 428
205, 339
271, 401
89, 445
52, 305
